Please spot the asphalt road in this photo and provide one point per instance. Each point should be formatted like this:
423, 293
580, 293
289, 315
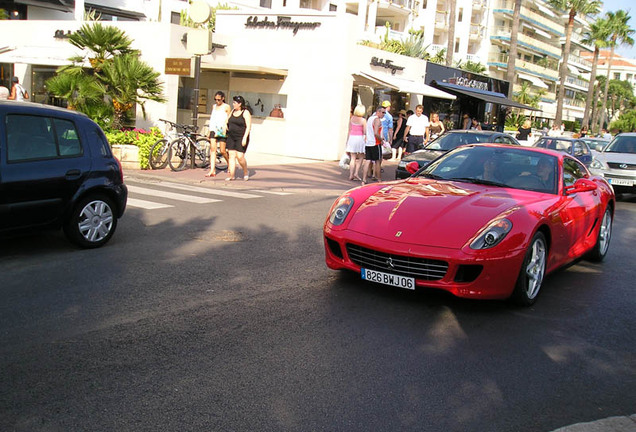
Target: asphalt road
223, 317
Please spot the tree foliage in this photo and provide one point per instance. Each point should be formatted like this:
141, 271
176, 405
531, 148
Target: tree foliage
116, 81
626, 122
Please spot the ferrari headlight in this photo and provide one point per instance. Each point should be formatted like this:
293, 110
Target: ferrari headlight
597, 164
340, 210
492, 235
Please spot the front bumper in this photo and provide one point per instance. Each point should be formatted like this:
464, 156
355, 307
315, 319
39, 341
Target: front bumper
484, 274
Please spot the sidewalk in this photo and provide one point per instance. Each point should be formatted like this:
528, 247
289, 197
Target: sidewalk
270, 172
610, 424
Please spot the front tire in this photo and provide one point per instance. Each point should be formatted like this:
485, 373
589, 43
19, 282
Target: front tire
597, 254
159, 154
92, 222
178, 154
532, 272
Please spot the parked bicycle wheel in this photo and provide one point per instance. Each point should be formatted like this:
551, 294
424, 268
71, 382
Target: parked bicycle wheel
178, 154
201, 153
159, 154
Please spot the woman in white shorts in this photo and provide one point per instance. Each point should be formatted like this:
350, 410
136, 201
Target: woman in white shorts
355, 141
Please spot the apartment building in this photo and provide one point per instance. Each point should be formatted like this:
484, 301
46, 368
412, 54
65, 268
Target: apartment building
622, 69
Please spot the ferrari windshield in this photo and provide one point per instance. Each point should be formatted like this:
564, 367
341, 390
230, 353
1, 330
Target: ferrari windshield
496, 166
455, 139
622, 144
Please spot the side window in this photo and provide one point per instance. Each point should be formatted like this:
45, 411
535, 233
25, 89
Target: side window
67, 138
97, 136
32, 137
29, 137
572, 171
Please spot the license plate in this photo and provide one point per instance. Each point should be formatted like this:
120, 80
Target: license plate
620, 182
388, 279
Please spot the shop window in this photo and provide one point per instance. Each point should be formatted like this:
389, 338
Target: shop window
262, 104
38, 91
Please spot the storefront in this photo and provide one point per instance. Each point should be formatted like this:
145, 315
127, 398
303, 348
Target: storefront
479, 96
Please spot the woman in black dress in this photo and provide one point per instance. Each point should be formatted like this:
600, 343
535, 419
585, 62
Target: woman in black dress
238, 130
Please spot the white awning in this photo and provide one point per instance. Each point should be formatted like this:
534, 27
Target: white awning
574, 69
40, 55
243, 68
406, 86
534, 80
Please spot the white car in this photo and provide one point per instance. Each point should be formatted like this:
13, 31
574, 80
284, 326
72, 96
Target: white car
617, 163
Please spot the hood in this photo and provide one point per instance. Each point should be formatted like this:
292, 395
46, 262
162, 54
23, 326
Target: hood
629, 158
433, 213
424, 155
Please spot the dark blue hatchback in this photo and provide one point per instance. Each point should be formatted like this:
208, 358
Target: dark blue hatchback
57, 170
572, 146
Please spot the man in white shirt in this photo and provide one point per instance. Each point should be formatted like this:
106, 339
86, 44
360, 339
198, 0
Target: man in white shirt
416, 132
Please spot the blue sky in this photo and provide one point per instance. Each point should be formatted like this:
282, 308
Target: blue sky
614, 5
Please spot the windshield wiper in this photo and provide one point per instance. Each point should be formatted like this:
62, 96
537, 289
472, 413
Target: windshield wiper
479, 181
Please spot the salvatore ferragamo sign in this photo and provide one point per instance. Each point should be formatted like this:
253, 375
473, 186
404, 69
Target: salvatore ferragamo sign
282, 22
388, 64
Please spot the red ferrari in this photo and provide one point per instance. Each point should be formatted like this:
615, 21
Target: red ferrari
483, 221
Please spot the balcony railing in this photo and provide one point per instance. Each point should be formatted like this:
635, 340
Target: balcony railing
527, 42
580, 60
574, 102
440, 19
577, 82
549, 68
531, 17
407, 4
476, 31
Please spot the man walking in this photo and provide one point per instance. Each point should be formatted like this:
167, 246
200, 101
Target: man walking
373, 146
18, 92
417, 132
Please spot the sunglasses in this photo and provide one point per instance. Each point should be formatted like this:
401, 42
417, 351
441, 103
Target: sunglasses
218, 99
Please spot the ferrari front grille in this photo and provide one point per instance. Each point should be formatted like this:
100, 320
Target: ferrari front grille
418, 268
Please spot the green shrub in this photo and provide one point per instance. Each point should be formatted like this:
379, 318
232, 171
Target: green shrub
141, 138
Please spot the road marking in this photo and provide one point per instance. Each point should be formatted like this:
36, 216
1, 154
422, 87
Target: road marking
209, 191
272, 192
170, 195
148, 205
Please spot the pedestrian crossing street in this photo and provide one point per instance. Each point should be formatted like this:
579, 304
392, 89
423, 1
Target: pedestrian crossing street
140, 195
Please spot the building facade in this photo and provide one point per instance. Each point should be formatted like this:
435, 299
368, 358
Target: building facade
304, 56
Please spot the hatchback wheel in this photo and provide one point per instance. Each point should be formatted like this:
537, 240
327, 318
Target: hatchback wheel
92, 222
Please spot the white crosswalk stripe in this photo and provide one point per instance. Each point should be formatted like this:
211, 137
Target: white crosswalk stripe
170, 195
209, 191
139, 191
148, 205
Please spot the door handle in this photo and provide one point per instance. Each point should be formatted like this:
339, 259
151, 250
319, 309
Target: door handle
73, 174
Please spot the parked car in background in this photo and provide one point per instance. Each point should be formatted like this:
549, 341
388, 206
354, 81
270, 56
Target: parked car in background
596, 144
573, 146
482, 221
617, 163
447, 142
57, 170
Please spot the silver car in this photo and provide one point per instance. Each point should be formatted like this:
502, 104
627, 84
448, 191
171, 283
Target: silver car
617, 163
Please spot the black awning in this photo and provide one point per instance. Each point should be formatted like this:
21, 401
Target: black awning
488, 96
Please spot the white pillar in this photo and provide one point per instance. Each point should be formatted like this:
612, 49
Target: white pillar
79, 10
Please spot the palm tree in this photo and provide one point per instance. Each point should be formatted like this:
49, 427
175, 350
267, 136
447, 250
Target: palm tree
450, 46
596, 36
620, 34
104, 42
130, 81
512, 53
575, 7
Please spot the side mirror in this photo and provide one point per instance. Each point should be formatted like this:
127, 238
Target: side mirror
412, 167
581, 185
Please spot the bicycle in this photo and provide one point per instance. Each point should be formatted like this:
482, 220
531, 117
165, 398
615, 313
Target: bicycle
176, 152
160, 150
